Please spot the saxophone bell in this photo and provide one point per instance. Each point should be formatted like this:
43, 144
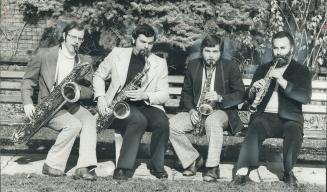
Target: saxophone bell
121, 110
205, 109
71, 92
252, 109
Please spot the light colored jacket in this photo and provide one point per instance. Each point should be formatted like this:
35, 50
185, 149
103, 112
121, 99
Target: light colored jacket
115, 67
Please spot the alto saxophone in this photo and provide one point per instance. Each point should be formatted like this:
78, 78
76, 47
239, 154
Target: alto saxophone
66, 91
262, 92
205, 107
119, 108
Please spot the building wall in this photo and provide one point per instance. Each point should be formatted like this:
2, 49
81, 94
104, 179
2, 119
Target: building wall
16, 38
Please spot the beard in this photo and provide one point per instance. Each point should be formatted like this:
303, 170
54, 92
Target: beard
210, 62
282, 59
144, 52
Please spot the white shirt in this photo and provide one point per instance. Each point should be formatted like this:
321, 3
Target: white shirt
204, 77
272, 106
65, 64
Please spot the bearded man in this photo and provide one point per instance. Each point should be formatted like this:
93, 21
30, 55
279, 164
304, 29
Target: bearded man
279, 114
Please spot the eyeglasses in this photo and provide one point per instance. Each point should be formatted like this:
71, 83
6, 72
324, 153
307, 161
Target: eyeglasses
78, 39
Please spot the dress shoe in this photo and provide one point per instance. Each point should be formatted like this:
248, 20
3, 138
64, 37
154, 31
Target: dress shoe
159, 174
122, 174
211, 174
47, 170
240, 179
84, 173
191, 170
290, 179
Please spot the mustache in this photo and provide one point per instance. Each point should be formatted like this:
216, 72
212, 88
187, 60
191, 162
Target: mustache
145, 52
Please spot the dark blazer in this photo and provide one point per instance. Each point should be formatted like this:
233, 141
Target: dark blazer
228, 84
296, 93
41, 71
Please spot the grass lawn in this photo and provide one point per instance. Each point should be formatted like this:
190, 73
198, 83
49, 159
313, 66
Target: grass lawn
29, 183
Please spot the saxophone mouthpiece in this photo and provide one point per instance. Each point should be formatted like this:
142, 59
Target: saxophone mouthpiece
146, 52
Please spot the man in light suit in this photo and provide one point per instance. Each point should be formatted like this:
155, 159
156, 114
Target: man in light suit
146, 110
49, 67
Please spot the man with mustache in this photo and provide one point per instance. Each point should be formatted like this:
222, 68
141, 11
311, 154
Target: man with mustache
279, 115
145, 102
211, 80
48, 68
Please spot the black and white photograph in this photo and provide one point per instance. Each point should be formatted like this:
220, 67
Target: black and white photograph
155, 95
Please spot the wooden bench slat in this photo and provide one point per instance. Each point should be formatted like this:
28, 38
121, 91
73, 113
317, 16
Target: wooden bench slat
175, 79
306, 108
175, 90
8, 85
314, 134
316, 84
12, 74
10, 98
319, 96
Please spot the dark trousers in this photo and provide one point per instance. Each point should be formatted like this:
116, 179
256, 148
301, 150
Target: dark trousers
269, 125
141, 119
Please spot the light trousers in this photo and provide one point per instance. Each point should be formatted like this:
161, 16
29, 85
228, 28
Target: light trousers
181, 124
70, 126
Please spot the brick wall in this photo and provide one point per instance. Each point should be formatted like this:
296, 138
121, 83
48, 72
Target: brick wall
11, 26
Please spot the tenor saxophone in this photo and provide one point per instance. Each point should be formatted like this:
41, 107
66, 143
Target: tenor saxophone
119, 108
66, 91
205, 107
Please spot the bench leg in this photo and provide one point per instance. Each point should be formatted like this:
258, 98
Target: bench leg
118, 144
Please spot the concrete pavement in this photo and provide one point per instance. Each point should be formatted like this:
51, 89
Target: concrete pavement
268, 172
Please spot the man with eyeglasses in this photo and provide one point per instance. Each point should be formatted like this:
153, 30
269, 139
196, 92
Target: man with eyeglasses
48, 68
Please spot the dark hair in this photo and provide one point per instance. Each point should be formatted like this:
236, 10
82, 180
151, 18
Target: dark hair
283, 34
70, 26
144, 29
212, 41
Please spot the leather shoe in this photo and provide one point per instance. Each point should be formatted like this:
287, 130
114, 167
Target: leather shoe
84, 173
192, 169
290, 178
159, 174
122, 174
47, 170
240, 179
211, 174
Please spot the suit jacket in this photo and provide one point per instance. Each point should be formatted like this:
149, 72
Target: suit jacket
290, 99
228, 84
41, 71
115, 67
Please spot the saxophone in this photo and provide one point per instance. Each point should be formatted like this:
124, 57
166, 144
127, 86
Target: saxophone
66, 91
119, 108
262, 92
205, 107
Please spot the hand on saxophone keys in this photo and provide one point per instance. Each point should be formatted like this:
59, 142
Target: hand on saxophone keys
103, 105
29, 110
258, 85
213, 96
136, 95
194, 116
278, 75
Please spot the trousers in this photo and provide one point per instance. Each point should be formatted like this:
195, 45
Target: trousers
143, 118
270, 125
80, 122
181, 123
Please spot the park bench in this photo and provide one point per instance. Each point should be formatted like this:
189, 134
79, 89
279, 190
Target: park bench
314, 112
